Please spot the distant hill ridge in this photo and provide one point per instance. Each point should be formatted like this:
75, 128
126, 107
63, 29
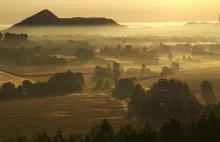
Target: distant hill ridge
47, 18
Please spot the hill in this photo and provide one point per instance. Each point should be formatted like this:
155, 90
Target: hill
45, 22
47, 18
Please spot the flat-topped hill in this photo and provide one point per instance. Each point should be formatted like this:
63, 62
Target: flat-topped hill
47, 23
47, 18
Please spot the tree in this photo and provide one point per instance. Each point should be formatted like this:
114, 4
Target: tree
109, 67
101, 73
172, 131
148, 133
207, 91
127, 133
184, 57
144, 49
205, 128
170, 57
118, 48
123, 88
167, 71
68, 82
116, 71
128, 49
84, 54
8, 89
106, 85
1, 36
25, 88
170, 98
102, 132
99, 85
27, 84
79, 78
138, 97
143, 68
15, 37
175, 67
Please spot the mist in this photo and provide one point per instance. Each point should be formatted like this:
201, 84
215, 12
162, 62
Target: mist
99, 79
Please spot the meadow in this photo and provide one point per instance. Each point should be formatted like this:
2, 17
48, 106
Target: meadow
71, 113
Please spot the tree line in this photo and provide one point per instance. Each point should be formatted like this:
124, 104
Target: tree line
128, 52
25, 56
165, 98
59, 84
13, 37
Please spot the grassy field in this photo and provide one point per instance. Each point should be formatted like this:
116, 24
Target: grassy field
71, 113
5, 77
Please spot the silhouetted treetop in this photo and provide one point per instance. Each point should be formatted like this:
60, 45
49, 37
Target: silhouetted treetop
84, 54
123, 88
1, 36
207, 91
59, 84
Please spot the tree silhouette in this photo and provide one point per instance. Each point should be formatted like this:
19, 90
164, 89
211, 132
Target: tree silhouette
175, 67
167, 71
84, 54
207, 91
8, 89
123, 88
143, 68
170, 98
116, 71
172, 131
102, 73
127, 133
106, 85
99, 85
1, 36
137, 100
102, 132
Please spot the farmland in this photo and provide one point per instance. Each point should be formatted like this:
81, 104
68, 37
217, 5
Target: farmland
71, 113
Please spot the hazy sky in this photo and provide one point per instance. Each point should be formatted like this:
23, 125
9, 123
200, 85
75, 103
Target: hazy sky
12, 11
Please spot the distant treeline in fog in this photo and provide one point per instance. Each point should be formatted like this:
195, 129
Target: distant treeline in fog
59, 84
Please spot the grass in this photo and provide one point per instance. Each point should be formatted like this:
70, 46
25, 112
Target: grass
5, 77
71, 113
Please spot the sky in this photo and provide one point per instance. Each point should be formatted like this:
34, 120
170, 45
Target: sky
13, 11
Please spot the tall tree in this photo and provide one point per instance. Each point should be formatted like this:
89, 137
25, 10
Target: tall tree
207, 91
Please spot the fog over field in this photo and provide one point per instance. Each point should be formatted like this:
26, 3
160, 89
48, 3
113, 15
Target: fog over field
96, 79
